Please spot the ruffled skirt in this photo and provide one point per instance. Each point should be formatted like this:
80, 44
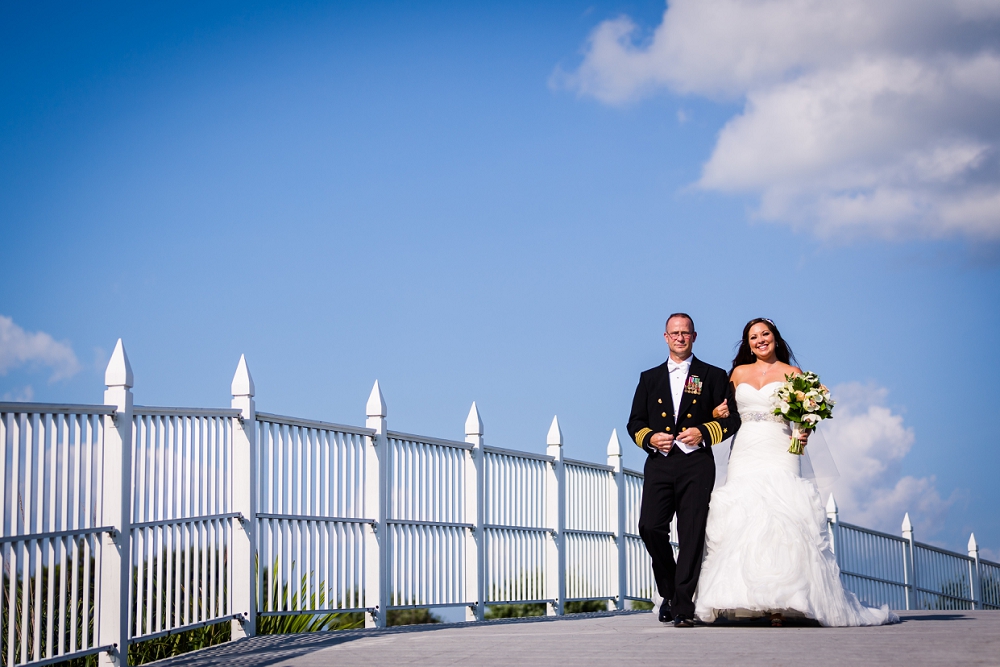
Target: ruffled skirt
767, 544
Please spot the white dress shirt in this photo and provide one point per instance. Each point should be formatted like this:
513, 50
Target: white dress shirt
678, 377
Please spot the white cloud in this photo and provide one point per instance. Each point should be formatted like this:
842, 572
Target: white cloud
23, 394
869, 443
858, 117
19, 347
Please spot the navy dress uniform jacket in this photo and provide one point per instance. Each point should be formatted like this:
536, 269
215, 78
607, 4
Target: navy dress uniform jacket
653, 406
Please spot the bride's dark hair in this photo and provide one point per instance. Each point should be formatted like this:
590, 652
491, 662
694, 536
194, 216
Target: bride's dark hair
744, 355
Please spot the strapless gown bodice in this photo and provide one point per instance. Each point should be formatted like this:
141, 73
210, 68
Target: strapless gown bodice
767, 546
763, 436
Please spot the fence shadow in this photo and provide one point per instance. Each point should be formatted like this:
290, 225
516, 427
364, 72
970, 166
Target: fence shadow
272, 649
904, 617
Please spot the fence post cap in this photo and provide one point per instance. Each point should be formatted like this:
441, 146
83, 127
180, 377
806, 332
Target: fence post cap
473, 423
376, 403
831, 505
119, 370
973, 545
242, 380
555, 436
614, 444
907, 526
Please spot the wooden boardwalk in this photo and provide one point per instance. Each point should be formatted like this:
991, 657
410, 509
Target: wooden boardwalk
635, 639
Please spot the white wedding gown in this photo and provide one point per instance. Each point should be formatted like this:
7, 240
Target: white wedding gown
767, 544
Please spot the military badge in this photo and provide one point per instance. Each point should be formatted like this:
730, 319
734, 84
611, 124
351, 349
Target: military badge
693, 385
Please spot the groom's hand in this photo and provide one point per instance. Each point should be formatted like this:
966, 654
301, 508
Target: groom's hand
690, 437
661, 441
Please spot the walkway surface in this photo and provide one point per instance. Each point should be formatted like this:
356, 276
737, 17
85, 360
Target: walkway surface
635, 639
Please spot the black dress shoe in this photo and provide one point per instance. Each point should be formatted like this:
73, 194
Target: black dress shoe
665, 616
681, 621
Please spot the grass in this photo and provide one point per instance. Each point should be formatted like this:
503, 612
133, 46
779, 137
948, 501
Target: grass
538, 609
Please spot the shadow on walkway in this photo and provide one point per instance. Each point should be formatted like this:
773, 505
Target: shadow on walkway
904, 617
271, 649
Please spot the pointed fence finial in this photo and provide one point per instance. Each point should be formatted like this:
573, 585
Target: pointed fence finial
615, 451
907, 527
973, 546
555, 436
376, 403
473, 423
614, 444
831, 508
242, 381
119, 370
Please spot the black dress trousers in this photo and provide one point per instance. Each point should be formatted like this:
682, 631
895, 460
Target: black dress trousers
678, 484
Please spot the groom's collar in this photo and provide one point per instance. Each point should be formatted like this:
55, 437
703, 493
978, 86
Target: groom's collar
671, 364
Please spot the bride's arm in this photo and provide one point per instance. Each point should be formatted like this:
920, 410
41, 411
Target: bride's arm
722, 428
724, 409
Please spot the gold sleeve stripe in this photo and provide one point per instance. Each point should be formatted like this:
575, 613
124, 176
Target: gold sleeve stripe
715, 431
640, 434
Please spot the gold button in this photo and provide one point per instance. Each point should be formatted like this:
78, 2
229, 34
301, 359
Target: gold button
659, 400
689, 415
725, 430
668, 429
663, 414
693, 401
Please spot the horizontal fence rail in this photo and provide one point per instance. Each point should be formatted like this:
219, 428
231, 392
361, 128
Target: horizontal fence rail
121, 524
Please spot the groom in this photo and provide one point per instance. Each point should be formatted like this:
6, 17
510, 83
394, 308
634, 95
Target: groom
672, 421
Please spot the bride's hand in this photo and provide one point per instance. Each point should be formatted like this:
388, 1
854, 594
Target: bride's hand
721, 410
804, 437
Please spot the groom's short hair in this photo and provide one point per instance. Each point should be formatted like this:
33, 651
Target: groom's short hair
673, 315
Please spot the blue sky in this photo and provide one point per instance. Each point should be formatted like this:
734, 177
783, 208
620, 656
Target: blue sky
467, 203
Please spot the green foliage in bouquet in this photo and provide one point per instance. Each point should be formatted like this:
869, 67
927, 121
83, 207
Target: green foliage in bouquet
804, 401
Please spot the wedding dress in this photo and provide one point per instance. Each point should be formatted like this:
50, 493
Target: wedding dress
768, 549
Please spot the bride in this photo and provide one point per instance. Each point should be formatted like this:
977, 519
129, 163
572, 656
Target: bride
768, 551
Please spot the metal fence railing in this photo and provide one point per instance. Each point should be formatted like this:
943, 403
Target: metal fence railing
53, 531
905, 574
121, 523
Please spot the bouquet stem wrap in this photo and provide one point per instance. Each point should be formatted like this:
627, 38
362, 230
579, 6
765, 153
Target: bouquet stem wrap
797, 447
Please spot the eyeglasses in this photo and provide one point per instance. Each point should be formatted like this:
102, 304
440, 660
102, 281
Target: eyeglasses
677, 335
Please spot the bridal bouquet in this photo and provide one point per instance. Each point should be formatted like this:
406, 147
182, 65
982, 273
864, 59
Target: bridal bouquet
803, 400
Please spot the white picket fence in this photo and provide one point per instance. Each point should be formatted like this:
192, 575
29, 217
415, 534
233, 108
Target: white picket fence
123, 523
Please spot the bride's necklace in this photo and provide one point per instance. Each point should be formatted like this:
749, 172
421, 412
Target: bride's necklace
767, 367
